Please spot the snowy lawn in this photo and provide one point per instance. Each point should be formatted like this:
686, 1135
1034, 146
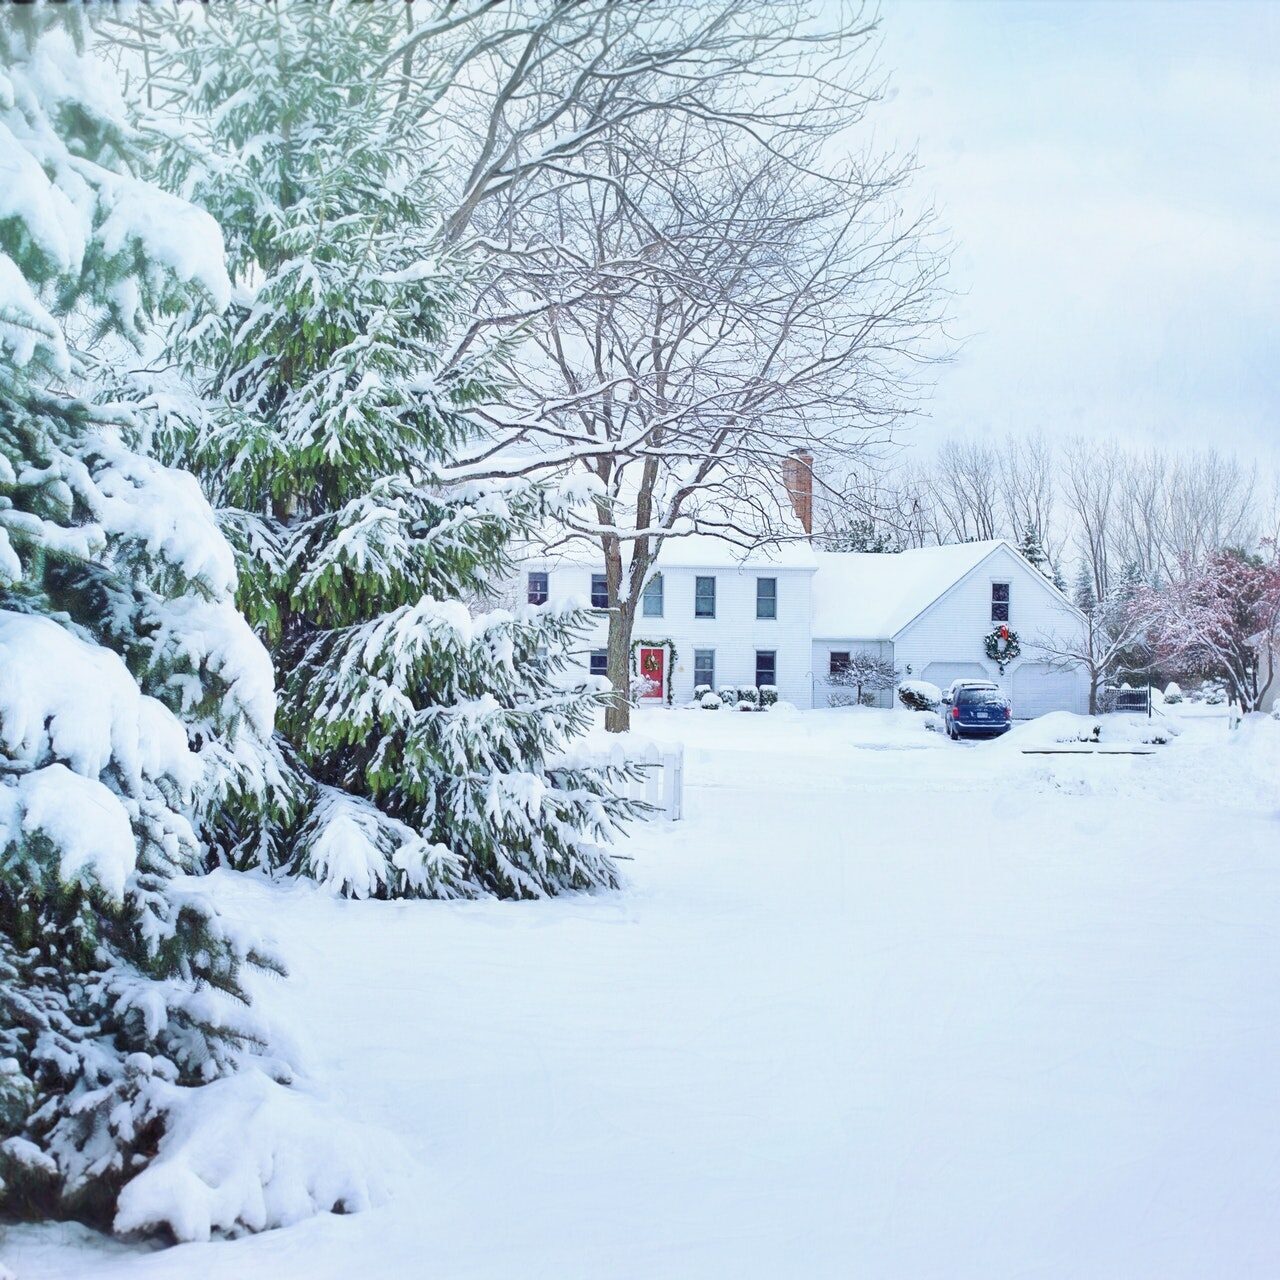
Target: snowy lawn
882, 1006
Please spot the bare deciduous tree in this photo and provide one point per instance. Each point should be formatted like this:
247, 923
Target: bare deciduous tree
1108, 632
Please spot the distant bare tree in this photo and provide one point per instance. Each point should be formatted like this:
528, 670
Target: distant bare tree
1090, 482
1028, 467
966, 489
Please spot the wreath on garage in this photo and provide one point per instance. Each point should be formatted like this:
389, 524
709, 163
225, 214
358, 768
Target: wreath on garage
1002, 646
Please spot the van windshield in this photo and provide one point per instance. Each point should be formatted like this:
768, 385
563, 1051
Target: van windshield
980, 698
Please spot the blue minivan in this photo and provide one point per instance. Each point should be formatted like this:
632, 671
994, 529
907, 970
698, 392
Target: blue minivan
976, 710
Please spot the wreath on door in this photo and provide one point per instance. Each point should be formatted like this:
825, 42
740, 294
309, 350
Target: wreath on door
1002, 646
648, 664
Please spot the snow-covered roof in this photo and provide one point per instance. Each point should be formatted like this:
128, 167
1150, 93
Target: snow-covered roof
865, 596
698, 551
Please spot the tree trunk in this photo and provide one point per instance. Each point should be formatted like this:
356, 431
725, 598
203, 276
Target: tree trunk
617, 716
1093, 693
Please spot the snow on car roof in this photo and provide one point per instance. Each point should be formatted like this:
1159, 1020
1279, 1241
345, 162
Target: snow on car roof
867, 596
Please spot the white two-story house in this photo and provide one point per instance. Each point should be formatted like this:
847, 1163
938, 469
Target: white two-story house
791, 617
717, 618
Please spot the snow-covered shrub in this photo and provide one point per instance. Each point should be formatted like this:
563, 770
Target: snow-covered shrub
865, 673
700, 691
1214, 695
710, 702
1275, 709
744, 705
768, 695
748, 693
643, 687
1173, 692
728, 695
919, 695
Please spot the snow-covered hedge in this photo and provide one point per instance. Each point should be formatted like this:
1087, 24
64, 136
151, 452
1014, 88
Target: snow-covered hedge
710, 702
919, 695
728, 694
1173, 692
768, 695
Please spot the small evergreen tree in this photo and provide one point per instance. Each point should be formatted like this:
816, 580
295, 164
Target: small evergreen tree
1031, 548
333, 411
1086, 599
127, 680
860, 534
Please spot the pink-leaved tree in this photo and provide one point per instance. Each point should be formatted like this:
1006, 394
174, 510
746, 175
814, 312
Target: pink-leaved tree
1220, 616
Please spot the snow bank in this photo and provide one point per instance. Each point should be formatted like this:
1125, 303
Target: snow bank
247, 1154
1059, 727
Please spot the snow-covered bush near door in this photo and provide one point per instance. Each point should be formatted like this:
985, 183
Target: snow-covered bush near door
728, 695
710, 702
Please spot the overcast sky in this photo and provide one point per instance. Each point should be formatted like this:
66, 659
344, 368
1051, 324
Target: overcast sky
1111, 176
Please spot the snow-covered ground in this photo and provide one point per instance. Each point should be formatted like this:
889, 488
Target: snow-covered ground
882, 1005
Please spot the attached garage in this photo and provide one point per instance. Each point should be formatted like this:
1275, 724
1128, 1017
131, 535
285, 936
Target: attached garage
1037, 688
943, 673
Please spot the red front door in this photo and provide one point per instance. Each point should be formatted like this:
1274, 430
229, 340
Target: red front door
653, 669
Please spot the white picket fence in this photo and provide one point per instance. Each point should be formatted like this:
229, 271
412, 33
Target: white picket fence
662, 782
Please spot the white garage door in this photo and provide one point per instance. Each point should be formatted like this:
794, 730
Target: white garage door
1039, 688
943, 673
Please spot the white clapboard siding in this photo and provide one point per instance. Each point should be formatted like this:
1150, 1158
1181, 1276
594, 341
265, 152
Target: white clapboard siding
734, 635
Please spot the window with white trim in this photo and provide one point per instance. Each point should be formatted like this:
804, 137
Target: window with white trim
999, 602
704, 667
651, 601
766, 667
539, 586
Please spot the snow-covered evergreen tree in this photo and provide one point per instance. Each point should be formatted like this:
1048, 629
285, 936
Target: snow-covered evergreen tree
1086, 598
1031, 548
124, 667
333, 409
859, 534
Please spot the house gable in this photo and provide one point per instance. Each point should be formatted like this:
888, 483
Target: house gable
1005, 554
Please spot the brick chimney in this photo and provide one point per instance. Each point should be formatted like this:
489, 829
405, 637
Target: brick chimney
797, 475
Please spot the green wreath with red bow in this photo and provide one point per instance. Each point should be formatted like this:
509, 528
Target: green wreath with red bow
1002, 646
